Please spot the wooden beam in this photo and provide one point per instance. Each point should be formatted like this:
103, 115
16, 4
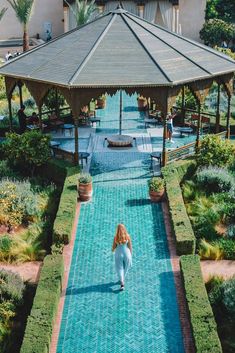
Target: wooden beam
164, 153
76, 155
198, 128
183, 105
228, 118
217, 121
10, 113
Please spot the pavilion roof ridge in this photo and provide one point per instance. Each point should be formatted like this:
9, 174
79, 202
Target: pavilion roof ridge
93, 49
191, 41
147, 51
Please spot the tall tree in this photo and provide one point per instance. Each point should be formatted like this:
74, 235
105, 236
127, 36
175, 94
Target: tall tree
2, 11
23, 11
220, 9
82, 10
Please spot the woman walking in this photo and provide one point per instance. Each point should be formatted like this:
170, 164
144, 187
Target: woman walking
123, 253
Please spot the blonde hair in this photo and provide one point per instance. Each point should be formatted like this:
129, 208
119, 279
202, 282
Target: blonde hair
121, 236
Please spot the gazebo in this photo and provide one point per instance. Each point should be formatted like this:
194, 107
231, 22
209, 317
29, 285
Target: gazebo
121, 51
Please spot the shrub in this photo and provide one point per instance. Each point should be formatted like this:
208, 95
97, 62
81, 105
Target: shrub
215, 31
28, 151
214, 179
156, 184
227, 246
40, 323
18, 204
185, 240
6, 170
228, 296
202, 320
209, 251
11, 287
230, 233
84, 178
67, 207
29, 103
215, 151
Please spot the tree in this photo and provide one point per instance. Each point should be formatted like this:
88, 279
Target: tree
82, 10
220, 9
215, 32
2, 12
23, 11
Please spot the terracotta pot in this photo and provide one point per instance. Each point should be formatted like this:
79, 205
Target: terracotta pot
101, 103
156, 196
142, 103
85, 191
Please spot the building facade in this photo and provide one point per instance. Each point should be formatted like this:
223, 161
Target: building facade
47, 15
185, 17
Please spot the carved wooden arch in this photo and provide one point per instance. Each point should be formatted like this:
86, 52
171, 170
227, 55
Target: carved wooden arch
200, 89
227, 82
10, 84
38, 90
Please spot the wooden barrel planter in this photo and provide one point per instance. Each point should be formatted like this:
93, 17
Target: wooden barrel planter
84, 187
101, 103
156, 196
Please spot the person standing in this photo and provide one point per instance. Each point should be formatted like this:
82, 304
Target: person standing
123, 253
169, 125
22, 119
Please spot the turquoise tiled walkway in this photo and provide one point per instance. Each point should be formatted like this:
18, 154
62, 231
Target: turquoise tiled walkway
97, 318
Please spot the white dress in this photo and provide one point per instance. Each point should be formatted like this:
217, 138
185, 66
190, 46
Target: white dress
123, 260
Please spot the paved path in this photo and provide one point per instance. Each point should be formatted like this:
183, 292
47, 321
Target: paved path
98, 317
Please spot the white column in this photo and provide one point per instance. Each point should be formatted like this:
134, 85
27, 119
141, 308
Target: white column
66, 19
177, 19
173, 19
141, 10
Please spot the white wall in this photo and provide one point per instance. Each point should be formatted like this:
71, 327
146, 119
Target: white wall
43, 11
192, 17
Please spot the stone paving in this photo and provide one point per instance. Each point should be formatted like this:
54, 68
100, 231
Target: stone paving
97, 317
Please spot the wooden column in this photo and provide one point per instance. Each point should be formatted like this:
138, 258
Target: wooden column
198, 127
164, 153
10, 113
76, 155
183, 105
228, 118
217, 122
57, 109
20, 93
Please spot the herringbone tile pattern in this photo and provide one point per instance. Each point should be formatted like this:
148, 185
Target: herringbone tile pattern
97, 318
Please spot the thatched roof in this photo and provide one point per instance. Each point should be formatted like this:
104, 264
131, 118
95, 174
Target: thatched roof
119, 49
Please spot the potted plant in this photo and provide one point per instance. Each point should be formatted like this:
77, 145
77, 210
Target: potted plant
142, 103
84, 187
101, 102
156, 189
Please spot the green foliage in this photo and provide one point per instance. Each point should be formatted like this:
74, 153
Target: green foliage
202, 320
222, 9
185, 239
82, 10
209, 251
190, 102
84, 178
215, 151
18, 204
214, 179
226, 246
230, 233
215, 32
52, 99
40, 323
156, 184
6, 171
226, 51
2, 12
228, 298
28, 151
23, 9
11, 295
11, 287
67, 207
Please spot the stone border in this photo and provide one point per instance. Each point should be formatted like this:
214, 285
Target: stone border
67, 257
184, 317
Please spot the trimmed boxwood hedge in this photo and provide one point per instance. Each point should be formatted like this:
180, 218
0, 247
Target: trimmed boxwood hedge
202, 320
40, 323
184, 235
67, 208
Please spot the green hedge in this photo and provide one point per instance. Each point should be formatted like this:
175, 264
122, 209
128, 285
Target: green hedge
184, 235
67, 207
55, 170
185, 168
202, 320
40, 323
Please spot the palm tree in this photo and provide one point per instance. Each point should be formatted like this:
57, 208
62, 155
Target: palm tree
82, 10
2, 12
23, 11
